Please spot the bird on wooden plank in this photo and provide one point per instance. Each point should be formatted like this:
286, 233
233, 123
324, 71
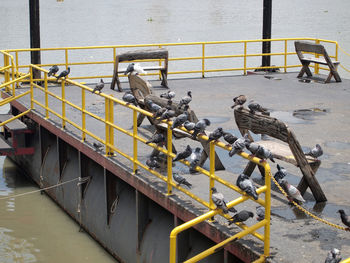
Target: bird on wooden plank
260, 151
315, 152
253, 107
239, 100
183, 155
200, 126
292, 192
180, 119
239, 145
153, 107
216, 134
53, 70
229, 138
189, 125
167, 114
63, 74
181, 180
333, 256
344, 218
220, 202
157, 138
128, 97
99, 86
186, 99
134, 67
245, 184
241, 217
194, 159
168, 95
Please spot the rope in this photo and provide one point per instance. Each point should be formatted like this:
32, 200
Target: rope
36, 191
342, 50
306, 211
344, 68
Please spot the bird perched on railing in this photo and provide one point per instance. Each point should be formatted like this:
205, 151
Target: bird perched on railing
134, 67
241, 217
280, 174
220, 202
200, 126
181, 180
253, 107
64, 74
167, 114
245, 184
260, 151
189, 125
99, 86
186, 99
168, 95
157, 138
229, 138
216, 134
239, 100
53, 70
239, 145
129, 98
344, 218
183, 155
333, 256
194, 159
292, 192
315, 152
180, 119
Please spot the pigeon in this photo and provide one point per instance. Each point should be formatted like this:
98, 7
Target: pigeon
344, 218
194, 159
53, 70
134, 67
157, 138
152, 163
229, 138
253, 107
153, 107
315, 152
168, 95
181, 180
260, 212
129, 69
239, 100
280, 174
185, 100
220, 202
129, 98
200, 127
167, 114
99, 86
245, 184
63, 74
333, 256
216, 134
97, 146
260, 151
183, 155
240, 217
292, 192
239, 145
189, 125
179, 120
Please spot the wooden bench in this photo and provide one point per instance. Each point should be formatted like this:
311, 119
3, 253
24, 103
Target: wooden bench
317, 49
145, 54
288, 150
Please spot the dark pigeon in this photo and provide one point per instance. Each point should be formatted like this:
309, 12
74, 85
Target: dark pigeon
333, 256
53, 70
63, 74
153, 107
280, 174
253, 107
260, 213
240, 217
157, 138
315, 152
194, 159
129, 69
179, 120
129, 98
185, 100
292, 192
245, 184
344, 218
97, 146
216, 134
229, 138
189, 125
181, 180
220, 202
168, 95
239, 100
167, 114
99, 86
239, 145
152, 163
183, 155
200, 126
260, 151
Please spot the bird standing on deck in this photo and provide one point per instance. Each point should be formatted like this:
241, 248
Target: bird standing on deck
239, 100
63, 74
260, 212
185, 100
152, 163
315, 152
292, 192
129, 98
344, 218
200, 126
53, 70
99, 86
181, 180
220, 202
245, 184
333, 256
241, 217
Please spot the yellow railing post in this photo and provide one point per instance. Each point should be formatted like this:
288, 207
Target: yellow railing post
13, 77
6, 73
16, 57
267, 209
83, 115
245, 58
63, 104
160, 64
46, 97
285, 55
212, 172
107, 125
31, 88
134, 134
111, 129
66, 57
203, 60
336, 51
317, 67
169, 159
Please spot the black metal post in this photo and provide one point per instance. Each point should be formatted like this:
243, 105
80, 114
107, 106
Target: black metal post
267, 19
34, 17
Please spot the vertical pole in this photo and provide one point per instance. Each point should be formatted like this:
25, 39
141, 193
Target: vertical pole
106, 125
31, 88
160, 64
317, 66
16, 63
34, 19
203, 60
83, 115
135, 140
63, 104
285, 55
211, 171
111, 129
66, 57
169, 159
46, 97
267, 210
266, 45
245, 58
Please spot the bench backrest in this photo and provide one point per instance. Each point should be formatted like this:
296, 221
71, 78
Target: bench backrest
309, 47
160, 53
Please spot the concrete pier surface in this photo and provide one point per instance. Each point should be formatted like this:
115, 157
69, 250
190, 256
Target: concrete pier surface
316, 112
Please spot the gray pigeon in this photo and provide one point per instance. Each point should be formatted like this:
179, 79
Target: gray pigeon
168, 95
181, 180
157, 138
194, 159
220, 202
63, 74
315, 152
99, 86
245, 184
240, 217
189, 125
129, 69
185, 100
152, 163
333, 256
153, 107
97, 146
229, 138
253, 107
129, 98
280, 174
260, 212
292, 192
200, 127
183, 155
239, 145
239, 100
179, 120
344, 218
260, 151
216, 134
167, 114
53, 70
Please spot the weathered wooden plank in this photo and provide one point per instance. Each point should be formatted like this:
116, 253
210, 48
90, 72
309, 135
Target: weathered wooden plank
160, 53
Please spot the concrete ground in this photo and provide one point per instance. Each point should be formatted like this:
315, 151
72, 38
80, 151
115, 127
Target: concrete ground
320, 116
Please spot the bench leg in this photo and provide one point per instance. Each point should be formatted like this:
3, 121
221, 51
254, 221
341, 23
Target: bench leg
305, 69
303, 185
164, 79
333, 72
